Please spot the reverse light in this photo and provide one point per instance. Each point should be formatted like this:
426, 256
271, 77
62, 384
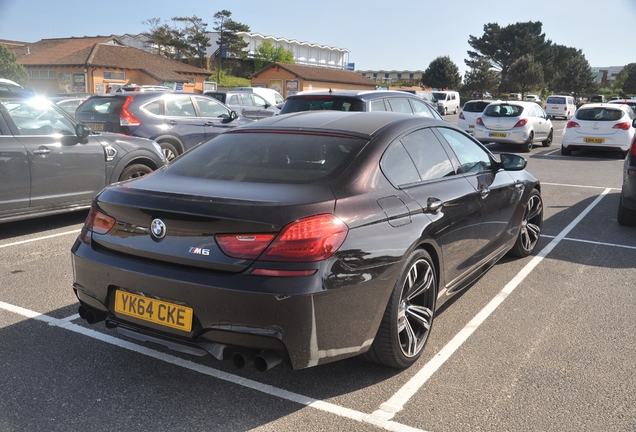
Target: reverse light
571, 124
622, 126
126, 118
244, 246
521, 123
98, 222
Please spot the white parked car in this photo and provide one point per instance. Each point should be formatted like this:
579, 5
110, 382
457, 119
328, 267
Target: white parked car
469, 113
560, 106
533, 98
512, 122
600, 127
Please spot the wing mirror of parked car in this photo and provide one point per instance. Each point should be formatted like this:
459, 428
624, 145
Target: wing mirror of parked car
512, 162
82, 131
233, 115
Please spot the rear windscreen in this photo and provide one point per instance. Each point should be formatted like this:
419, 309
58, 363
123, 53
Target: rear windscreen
475, 107
599, 114
556, 100
270, 157
102, 105
316, 103
503, 110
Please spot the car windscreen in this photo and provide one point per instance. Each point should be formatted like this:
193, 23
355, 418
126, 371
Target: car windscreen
316, 103
599, 114
475, 107
270, 157
439, 96
102, 105
556, 100
503, 110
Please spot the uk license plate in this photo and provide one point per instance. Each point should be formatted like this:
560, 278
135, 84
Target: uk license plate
95, 126
594, 140
471, 126
555, 108
153, 310
497, 135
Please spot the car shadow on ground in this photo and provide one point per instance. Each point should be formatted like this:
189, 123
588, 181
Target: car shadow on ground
37, 225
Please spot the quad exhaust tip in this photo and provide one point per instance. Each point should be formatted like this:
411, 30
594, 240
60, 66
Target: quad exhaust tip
263, 361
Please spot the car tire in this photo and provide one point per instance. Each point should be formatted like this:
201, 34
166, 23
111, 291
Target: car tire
566, 151
445, 111
169, 151
548, 141
455, 112
408, 317
527, 146
625, 216
135, 171
530, 229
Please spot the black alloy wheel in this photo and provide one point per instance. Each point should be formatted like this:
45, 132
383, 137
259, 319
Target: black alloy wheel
135, 171
530, 229
548, 141
527, 146
408, 317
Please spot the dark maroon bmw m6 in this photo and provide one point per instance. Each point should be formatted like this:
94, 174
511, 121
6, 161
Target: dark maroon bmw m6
304, 238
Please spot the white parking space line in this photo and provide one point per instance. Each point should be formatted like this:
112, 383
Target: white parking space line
40, 238
594, 242
215, 373
550, 153
396, 403
580, 186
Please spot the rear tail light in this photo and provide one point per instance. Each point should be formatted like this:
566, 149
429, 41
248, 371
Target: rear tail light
622, 126
126, 118
306, 240
97, 222
479, 121
572, 124
565, 108
521, 123
461, 116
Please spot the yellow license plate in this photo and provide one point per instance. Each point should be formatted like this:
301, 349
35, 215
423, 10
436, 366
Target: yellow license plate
594, 140
95, 126
498, 135
555, 108
471, 126
153, 310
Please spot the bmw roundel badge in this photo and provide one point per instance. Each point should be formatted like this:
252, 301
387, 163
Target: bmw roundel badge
158, 229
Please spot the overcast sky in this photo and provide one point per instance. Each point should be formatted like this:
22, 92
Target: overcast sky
404, 35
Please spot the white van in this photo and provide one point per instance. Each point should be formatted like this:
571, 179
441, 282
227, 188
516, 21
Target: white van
270, 95
447, 101
560, 106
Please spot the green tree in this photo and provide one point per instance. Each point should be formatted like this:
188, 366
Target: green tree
481, 77
266, 54
575, 77
629, 80
163, 39
442, 73
10, 68
195, 38
525, 74
233, 44
502, 46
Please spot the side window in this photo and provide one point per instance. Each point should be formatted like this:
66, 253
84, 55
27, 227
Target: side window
397, 166
155, 107
246, 99
421, 109
377, 105
37, 117
427, 153
400, 105
211, 108
234, 100
472, 158
180, 106
259, 101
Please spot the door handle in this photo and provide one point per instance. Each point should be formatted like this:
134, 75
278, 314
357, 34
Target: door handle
210, 123
172, 122
42, 151
484, 192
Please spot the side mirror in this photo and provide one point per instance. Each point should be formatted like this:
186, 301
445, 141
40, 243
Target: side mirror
233, 115
548, 117
512, 162
82, 131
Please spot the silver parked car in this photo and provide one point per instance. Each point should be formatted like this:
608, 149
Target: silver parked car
248, 104
513, 122
53, 164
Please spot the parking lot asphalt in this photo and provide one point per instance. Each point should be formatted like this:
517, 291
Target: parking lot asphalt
540, 343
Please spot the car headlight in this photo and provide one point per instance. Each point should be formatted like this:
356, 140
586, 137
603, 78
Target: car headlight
158, 148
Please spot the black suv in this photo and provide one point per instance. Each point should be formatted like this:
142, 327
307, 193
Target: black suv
177, 121
360, 100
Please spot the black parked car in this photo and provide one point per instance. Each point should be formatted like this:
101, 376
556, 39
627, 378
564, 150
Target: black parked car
627, 203
360, 100
51, 164
177, 121
308, 238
